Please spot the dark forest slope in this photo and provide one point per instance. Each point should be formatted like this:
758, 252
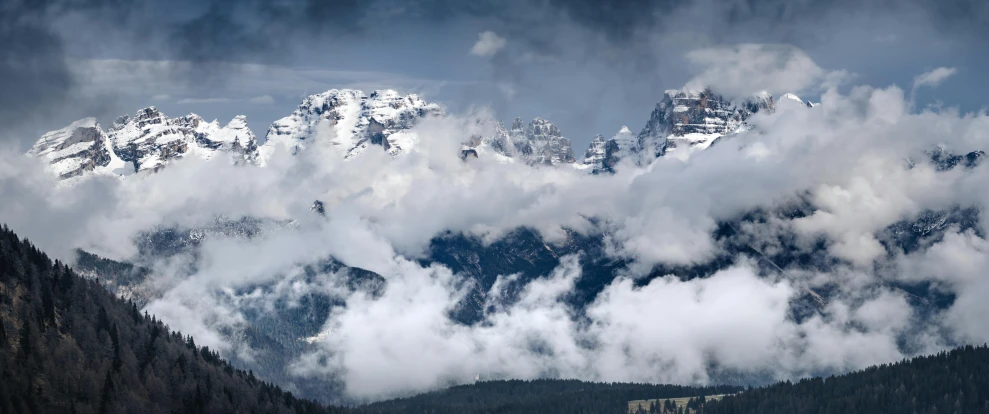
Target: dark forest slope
539, 396
955, 381
68, 345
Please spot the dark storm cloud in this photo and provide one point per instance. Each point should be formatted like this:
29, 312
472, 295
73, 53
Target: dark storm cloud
35, 34
32, 68
33, 71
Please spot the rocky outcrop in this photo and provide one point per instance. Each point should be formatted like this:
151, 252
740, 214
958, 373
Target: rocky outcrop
351, 121
692, 119
76, 149
150, 140
145, 142
538, 143
604, 154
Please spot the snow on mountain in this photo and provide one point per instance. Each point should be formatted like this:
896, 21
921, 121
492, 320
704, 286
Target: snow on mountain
150, 139
602, 155
538, 143
76, 149
794, 98
681, 123
145, 142
352, 121
685, 121
544, 144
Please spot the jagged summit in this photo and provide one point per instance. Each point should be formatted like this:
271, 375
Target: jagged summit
682, 122
602, 155
795, 98
79, 148
352, 121
145, 142
150, 139
690, 120
546, 144
538, 143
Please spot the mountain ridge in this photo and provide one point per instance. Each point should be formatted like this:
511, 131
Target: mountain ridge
350, 120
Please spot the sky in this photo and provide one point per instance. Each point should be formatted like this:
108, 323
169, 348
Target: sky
589, 67
893, 79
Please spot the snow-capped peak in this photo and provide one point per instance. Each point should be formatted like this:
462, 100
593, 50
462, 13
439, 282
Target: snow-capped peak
76, 149
602, 155
685, 121
794, 98
150, 139
352, 121
145, 142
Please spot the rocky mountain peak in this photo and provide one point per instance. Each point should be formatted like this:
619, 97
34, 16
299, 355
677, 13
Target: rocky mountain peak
518, 127
538, 143
686, 120
72, 151
145, 142
603, 154
150, 139
351, 121
547, 145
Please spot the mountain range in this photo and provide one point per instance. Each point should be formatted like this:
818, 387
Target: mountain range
352, 121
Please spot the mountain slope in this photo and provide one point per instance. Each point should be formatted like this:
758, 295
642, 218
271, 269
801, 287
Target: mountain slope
538, 143
602, 155
77, 149
538, 396
350, 120
686, 120
948, 382
150, 139
682, 122
68, 345
145, 142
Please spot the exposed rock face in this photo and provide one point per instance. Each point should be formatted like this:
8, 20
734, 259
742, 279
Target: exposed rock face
681, 123
150, 139
145, 142
548, 146
352, 121
603, 155
944, 160
349, 120
685, 119
539, 143
76, 149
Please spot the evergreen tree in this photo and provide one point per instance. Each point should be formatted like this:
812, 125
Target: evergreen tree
105, 394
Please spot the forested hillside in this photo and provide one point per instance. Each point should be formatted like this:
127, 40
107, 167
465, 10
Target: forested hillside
68, 346
955, 381
538, 396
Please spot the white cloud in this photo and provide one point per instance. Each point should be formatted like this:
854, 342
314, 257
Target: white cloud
934, 77
488, 44
746, 69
